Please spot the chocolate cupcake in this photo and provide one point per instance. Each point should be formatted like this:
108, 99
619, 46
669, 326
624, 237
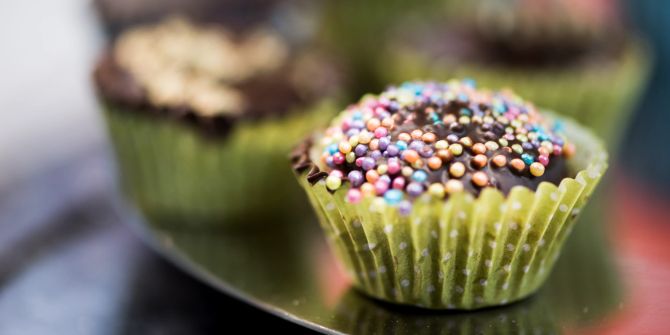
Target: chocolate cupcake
202, 119
441, 195
577, 59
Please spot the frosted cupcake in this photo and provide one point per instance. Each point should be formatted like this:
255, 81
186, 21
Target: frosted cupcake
185, 104
577, 58
444, 196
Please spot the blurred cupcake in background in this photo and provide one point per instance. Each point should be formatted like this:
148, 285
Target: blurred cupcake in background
202, 118
574, 57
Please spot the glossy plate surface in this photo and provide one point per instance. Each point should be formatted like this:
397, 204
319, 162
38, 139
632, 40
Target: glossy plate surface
287, 269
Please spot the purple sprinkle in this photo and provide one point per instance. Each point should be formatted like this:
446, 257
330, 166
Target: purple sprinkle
392, 150
416, 145
405, 207
385, 178
452, 138
360, 150
358, 124
329, 161
414, 189
384, 143
376, 155
355, 178
426, 152
527, 146
368, 163
352, 132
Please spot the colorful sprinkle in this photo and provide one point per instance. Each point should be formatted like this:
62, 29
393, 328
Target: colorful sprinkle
333, 182
457, 170
537, 169
367, 148
480, 179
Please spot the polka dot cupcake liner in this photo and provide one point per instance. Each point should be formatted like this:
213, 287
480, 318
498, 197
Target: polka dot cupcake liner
466, 252
178, 176
598, 94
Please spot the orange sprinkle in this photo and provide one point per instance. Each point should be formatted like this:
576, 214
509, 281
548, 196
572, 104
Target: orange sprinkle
499, 160
371, 176
445, 155
568, 150
479, 148
428, 137
434, 163
373, 124
479, 161
480, 179
404, 137
416, 134
517, 164
410, 156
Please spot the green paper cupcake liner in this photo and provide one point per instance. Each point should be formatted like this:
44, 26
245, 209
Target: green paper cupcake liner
599, 95
176, 175
466, 252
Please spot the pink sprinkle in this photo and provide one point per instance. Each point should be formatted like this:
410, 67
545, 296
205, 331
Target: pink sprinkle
380, 132
346, 124
337, 173
381, 187
557, 150
359, 161
338, 158
399, 183
393, 166
354, 196
544, 160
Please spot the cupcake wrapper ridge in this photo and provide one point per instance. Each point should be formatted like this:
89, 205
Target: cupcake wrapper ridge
176, 175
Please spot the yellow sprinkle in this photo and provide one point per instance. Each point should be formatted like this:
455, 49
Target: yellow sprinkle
536, 169
453, 186
457, 169
436, 190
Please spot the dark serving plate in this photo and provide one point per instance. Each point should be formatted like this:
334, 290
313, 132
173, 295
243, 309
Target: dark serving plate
288, 270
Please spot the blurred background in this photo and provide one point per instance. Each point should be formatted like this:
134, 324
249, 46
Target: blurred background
69, 263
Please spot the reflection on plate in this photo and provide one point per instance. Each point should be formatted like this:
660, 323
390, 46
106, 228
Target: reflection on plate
288, 270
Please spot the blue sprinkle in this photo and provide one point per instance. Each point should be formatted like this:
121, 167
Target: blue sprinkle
528, 159
332, 149
393, 197
402, 145
470, 82
466, 112
420, 176
558, 125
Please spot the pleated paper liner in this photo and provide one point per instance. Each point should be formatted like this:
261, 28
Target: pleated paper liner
598, 94
585, 285
177, 176
465, 252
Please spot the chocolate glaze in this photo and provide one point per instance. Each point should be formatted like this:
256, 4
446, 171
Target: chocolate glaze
118, 87
502, 178
269, 95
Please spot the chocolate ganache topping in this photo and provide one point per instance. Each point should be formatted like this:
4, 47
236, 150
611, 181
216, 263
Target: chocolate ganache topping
436, 138
206, 73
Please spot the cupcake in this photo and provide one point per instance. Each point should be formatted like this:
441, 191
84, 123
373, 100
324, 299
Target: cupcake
444, 196
576, 58
202, 119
